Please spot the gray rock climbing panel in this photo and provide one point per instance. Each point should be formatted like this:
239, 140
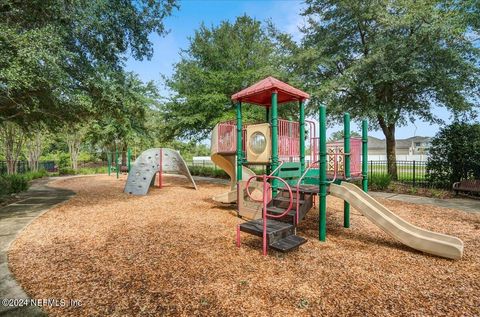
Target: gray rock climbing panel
147, 165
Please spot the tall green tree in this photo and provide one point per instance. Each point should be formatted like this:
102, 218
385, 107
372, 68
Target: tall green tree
218, 62
454, 154
391, 61
131, 101
55, 55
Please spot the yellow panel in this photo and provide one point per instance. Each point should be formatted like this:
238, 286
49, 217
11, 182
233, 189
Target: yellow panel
263, 157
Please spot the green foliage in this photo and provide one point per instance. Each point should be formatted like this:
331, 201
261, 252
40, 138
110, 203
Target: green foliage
15, 183
454, 154
218, 62
66, 171
379, 182
338, 135
208, 171
92, 170
390, 61
57, 58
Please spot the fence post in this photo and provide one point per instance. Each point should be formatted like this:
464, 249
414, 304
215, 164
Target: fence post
414, 182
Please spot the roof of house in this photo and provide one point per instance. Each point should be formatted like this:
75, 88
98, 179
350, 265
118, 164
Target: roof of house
261, 92
376, 143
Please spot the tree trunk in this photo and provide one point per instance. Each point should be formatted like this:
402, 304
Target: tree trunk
124, 154
12, 138
389, 132
34, 147
74, 142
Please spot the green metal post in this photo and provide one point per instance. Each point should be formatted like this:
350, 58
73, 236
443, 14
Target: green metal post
109, 161
129, 155
302, 135
116, 162
274, 138
365, 155
239, 142
346, 163
267, 119
323, 174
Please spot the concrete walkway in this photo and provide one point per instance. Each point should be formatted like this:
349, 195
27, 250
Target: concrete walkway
13, 218
465, 204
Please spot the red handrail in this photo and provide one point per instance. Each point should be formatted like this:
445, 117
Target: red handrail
265, 213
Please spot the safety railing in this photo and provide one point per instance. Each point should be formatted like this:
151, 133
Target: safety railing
266, 198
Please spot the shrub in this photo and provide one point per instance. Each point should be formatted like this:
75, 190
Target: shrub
379, 181
4, 186
16, 183
67, 171
454, 154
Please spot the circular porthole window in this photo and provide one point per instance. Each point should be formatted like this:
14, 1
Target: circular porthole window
257, 142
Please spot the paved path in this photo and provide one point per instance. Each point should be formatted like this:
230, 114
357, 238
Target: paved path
13, 218
465, 204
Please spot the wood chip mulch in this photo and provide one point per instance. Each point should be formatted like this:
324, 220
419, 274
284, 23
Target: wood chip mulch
173, 252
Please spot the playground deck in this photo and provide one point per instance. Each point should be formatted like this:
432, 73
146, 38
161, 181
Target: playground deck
173, 253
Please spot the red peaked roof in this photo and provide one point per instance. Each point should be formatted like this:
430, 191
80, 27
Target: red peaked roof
261, 92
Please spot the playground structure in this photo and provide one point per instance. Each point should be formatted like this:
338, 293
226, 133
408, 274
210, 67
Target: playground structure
151, 162
287, 192
113, 162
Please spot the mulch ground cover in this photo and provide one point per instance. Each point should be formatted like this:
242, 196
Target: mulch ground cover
173, 252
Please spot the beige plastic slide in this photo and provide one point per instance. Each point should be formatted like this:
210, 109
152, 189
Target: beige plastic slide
410, 235
227, 163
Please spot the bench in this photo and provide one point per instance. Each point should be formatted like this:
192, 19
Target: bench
470, 186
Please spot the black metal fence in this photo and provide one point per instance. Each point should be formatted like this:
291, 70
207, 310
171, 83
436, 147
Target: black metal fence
23, 167
412, 173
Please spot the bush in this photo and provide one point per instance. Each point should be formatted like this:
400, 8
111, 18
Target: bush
15, 183
92, 170
454, 154
67, 171
4, 187
379, 181
208, 171
34, 175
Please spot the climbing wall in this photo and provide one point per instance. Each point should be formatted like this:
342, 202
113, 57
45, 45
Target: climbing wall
147, 165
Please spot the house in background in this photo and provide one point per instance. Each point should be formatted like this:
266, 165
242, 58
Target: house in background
410, 149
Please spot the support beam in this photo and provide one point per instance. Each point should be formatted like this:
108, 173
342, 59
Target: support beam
116, 162
267, 119
274, 137
301, 105
365, 155
346, 164
239, 142
109, 161
129, 157
322, 230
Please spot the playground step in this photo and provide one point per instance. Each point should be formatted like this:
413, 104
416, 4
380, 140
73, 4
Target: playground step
276, 230
309, 189
286, 199
288, 243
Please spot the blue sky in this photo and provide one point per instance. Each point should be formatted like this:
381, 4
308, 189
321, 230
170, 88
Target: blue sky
284, 13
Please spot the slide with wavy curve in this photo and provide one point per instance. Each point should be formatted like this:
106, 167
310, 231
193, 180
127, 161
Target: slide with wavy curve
227, 163
415, 237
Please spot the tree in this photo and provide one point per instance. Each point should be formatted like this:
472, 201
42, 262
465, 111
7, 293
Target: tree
130, 100
218, 62
56, 55
13, 140
391, 61
338, 135
35, 143
454, 154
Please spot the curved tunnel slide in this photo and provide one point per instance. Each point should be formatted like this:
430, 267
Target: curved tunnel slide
227, 163
405, 232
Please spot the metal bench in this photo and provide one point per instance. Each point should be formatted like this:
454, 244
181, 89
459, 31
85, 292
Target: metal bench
469, 186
